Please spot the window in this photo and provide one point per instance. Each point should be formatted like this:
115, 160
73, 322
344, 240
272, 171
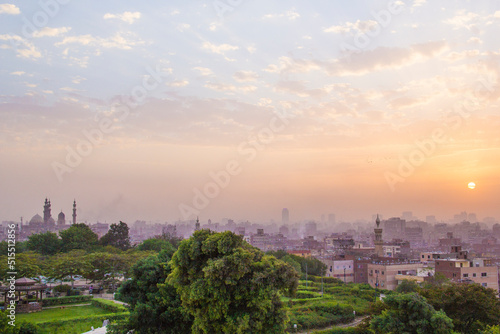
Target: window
466, 275
423, 256
474, 275
483, 275
382, 272
454, 275
399, 272
451, 264
484, 284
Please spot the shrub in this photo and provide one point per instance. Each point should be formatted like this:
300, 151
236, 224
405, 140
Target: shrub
27, 328
66, 300
307, 294
62, 288
108, 305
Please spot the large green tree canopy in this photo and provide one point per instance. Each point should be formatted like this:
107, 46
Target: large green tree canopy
78, 236
229, 286
410, 314
471, 306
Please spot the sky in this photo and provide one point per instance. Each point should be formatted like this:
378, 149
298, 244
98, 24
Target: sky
162, 111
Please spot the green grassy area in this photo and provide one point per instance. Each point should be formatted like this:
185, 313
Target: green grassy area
58, 313
310, 310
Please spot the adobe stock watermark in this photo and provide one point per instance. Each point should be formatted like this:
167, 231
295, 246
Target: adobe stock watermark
39, 20
247, 152
453, 120
121, 109
383, 19
224, 7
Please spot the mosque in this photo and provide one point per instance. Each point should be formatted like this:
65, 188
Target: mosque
37, 224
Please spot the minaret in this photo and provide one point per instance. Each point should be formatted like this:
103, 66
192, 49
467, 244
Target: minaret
379, 243
197, 226
46, 211
74, 211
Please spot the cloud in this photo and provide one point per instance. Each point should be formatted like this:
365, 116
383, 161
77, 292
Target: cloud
298, 88
18, 73
418, 3
178, 83
117, 41
51, 32
363, 62
203, 71
290, 15
24, 48
127, 17
464, 19
182, 27
358, 26
10, 9
229, 88
220, 49
245, 76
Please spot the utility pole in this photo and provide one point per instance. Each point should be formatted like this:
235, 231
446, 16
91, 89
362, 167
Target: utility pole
322, 286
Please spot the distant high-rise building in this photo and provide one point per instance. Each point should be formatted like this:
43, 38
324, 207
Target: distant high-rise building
311, 229
430, 219
407, 215
331, 218
285, 216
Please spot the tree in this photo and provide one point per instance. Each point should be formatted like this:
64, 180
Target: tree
288, 259
68, 265
26, 265
407, 286
229, 286
410, 314
47, 243
117, 236
105, 266
155, 306
471, 306
156, 244
20, 247
78, 236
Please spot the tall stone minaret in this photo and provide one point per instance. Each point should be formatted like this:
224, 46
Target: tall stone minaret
74, 211
379, 243
46, 211
197, 226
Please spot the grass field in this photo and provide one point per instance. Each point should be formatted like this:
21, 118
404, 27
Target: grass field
58, 313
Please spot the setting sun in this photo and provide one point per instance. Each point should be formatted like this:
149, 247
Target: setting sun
471, 185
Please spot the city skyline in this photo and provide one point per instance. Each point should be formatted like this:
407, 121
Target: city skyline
171, 111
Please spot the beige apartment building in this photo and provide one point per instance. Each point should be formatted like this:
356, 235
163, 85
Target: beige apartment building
383, 275
480, 271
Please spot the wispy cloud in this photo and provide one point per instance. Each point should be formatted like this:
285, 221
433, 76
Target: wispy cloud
127, 17
10, 9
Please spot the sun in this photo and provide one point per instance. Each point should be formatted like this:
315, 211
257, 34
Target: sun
471, 185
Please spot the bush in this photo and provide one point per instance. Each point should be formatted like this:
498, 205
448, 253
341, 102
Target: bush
307, 294
66, 300
108, 305
27, 328
63, 288
73, 292
320, 313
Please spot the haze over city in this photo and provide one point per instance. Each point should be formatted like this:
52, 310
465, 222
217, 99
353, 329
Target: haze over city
167, 111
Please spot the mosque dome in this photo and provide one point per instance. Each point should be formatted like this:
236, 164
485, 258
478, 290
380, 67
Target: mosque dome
61, 216
36, 219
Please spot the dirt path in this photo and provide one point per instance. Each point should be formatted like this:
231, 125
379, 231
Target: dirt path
354, 323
